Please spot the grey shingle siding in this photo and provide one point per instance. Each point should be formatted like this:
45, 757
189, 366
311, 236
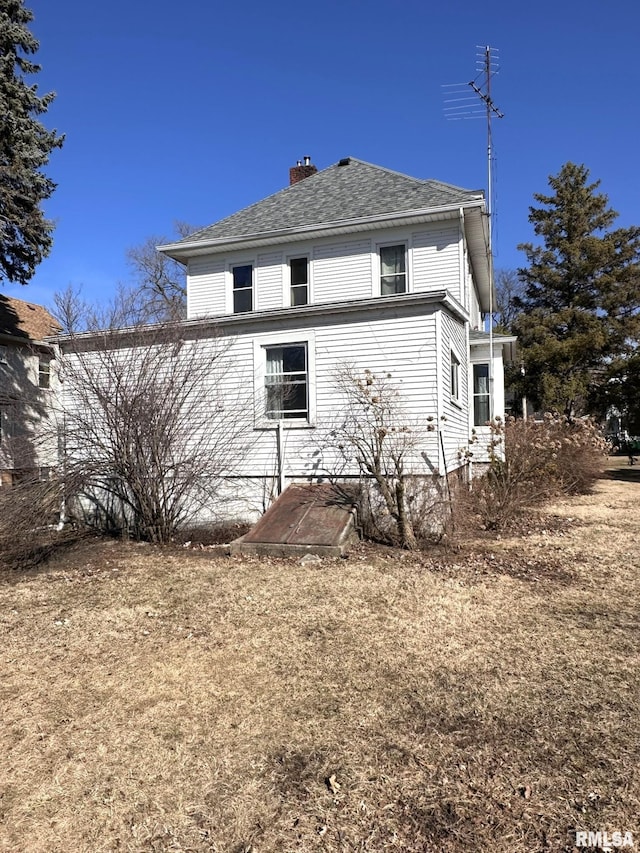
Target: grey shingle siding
337, 194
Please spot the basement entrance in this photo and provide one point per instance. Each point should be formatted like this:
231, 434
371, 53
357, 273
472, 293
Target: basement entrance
305, 519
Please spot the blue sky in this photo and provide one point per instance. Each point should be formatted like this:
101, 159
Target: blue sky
190, 111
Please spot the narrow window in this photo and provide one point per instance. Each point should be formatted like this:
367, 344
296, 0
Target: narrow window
393, 270
481, 414
44, 372
286, 382
242, 288
455, 376
299, 270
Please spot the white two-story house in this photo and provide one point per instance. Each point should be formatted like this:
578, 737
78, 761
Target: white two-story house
355, 266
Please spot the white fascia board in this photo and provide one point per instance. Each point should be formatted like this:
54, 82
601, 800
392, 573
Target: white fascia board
183, 251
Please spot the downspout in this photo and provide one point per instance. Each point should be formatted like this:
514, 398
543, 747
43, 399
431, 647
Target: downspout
282, 484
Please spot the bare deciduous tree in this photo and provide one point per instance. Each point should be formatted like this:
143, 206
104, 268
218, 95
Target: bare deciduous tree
153, 425
374, 430
509, 288
160, 281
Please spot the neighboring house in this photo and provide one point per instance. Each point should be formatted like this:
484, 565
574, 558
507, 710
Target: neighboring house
28, 381
358, 266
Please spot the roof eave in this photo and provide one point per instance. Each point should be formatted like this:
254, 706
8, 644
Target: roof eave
183, 251
224, 322
476, 229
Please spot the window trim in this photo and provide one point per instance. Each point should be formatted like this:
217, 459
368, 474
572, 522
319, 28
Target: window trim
296, 257
288, 377
44, 361
278, 339
387, 245
477, 395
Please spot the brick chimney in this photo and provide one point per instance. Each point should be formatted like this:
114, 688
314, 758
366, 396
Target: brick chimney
301, 171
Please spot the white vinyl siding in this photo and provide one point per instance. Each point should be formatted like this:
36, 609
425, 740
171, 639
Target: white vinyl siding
206, 295
436, 260
268, 290
455, 425
404, 347
342, 271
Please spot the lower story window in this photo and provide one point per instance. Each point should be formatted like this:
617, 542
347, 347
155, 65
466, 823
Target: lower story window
481, 414
287, 382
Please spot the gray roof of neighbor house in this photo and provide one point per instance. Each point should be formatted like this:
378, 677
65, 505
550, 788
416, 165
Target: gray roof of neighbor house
25, 321
348, 190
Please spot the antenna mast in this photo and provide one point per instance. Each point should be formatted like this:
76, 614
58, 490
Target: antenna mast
486, 62
466, 107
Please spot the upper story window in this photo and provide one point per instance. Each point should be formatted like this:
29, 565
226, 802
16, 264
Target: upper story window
287, 382
242, 288
454, 386
44, 371
299, 273
481, 414
393, 269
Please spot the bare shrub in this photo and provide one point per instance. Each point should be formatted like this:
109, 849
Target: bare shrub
374, 430
532, 461
153, 426
29, 514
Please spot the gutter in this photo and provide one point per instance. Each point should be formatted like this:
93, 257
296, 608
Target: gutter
184, 250
258, 318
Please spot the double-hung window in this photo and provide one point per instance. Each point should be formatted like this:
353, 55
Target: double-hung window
481, 414
287, 382
393, 269
242, 288
299, 273
454, 374
44, 372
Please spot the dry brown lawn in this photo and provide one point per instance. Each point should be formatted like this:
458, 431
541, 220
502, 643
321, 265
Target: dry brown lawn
483, 699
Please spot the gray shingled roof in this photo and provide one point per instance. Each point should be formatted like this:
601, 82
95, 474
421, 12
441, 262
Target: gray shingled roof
339, 193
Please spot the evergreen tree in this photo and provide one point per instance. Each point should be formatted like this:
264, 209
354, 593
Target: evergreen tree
25, 147
580, 309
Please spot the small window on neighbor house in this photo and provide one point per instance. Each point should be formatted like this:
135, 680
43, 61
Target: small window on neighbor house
481, 414
5, 422
455, 377
242, 288
393, 269
299, 271
286, 382
44, 372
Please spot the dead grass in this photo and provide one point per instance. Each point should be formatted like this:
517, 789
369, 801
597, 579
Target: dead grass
484, 699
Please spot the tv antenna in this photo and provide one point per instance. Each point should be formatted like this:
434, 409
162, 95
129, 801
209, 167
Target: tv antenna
460, 103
